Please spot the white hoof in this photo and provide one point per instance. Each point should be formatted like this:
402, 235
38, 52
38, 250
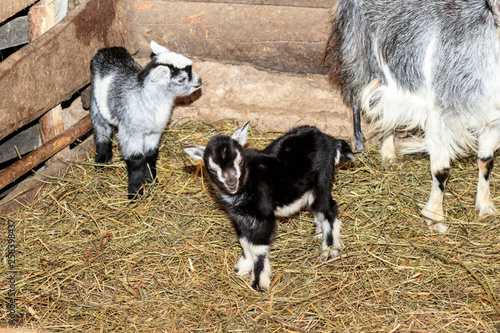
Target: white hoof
485, 209
439, 227
329, 254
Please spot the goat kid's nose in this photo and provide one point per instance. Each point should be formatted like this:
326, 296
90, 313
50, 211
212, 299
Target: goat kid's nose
198, 82
232, 184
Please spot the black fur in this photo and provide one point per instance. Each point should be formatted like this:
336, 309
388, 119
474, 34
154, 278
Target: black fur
301, 161
136, 174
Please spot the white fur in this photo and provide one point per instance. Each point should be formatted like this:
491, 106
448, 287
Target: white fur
231, 174
446, 137
102, 98
304, 201
167, 57
388, 150
245, 264
251, 253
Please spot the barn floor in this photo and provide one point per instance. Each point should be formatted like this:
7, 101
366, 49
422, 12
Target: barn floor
88, 260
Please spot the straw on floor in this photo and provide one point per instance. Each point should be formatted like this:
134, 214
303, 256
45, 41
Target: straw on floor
88, 260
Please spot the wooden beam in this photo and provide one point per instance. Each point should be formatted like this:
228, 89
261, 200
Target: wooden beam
47, 150
14, 33
26, 192
49, 70
20, 144
279, 38
42, 17
9, 8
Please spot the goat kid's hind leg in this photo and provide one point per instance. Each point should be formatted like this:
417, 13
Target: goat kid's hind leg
488, 141
330, 225
102, 135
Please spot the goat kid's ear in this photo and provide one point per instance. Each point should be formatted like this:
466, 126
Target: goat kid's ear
160, 72
195, 152
157, 48
241, 134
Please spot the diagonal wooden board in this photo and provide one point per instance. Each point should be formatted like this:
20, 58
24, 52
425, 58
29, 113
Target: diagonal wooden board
52, 68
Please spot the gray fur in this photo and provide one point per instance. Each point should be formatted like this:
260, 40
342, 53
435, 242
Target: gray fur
429, 65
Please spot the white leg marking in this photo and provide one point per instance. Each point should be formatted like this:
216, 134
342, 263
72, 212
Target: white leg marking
388, 150
333, 251
337, 241
327, 230
488, 142
318, 219
484, 204
433, 210
265, 275
245, 264
440, 159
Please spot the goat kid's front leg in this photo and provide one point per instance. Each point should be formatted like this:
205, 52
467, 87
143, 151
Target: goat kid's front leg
136, 167
245, 264
255, 258
151, 158
151, 143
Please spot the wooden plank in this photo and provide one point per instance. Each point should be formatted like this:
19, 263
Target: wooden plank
293, 3
9, 8
49, 70
42, 17
280, 38
14, 33
20, 144
47, 150
26, 192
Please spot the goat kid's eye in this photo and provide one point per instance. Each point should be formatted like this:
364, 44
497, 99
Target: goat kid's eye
241, 162
211, 170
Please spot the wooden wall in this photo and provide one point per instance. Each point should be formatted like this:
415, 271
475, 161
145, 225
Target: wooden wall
9, 8
280, 35
52, 68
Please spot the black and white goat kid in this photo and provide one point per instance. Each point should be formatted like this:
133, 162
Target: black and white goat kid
138, 101
429, 65
292, 173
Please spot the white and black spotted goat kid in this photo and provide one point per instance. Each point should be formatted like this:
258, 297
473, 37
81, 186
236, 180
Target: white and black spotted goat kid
138, 101
294, 172
426, 65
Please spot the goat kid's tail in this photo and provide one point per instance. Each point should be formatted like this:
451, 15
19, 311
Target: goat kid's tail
345, 152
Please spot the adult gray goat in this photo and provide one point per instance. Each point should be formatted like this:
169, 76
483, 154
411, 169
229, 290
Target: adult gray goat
431, 65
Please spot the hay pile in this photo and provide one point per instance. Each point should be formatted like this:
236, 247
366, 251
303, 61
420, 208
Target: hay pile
88, 260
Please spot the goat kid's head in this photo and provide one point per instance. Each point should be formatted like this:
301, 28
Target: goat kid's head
224, 160
173, 71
